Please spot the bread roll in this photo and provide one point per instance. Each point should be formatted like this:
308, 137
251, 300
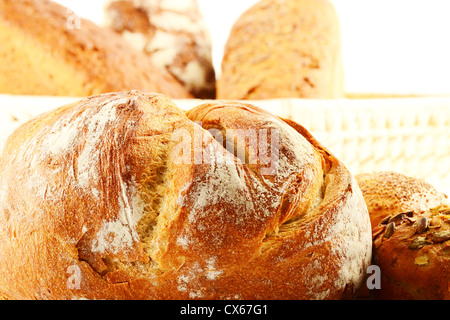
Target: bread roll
124, 196
173, 34
284, 49
47, 50
411, 232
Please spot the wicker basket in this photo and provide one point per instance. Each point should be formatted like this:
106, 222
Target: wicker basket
407, 135
411, 135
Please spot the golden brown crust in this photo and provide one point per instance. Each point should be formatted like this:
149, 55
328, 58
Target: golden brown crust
173, 35
283, 49
59, 56
124, 196
411, 233
388, 193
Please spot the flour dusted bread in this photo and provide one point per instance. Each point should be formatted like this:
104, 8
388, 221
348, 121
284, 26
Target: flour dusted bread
47, 50
125, 196
411, 236
173, 34
283, 49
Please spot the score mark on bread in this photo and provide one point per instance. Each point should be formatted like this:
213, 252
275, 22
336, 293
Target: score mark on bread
95, 186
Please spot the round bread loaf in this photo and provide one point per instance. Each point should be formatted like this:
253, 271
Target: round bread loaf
283, 49
47, 49
411, 232
173, 34
124, 196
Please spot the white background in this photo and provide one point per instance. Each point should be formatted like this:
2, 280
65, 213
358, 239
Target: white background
389, 46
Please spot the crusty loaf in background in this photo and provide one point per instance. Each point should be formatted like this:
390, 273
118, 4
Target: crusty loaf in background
45, 50
411, 235
283, 49
173, 34
124, 196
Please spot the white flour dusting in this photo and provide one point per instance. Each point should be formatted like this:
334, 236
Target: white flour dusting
211, 272
120, 234
92, 128
227, 183
98, 124
251, 195
188, 281
179, 28
193, 74
136, 39
183, 241
350, 237
63, 135
171, 15
164, 48
356, 240
175, 5
65, 132
113, 237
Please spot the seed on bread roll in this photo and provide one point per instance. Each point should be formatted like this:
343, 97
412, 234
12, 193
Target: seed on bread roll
173, 34
125, 196
411, 236
283, 49
47, 50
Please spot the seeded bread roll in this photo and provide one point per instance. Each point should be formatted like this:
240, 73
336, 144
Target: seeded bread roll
283, 49
47, 50
124, 196
173, 34
411, 236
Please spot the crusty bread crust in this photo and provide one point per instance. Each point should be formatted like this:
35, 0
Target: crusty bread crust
43, 54
411, 233
96, 204
284, 49
388, 193
174, 35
